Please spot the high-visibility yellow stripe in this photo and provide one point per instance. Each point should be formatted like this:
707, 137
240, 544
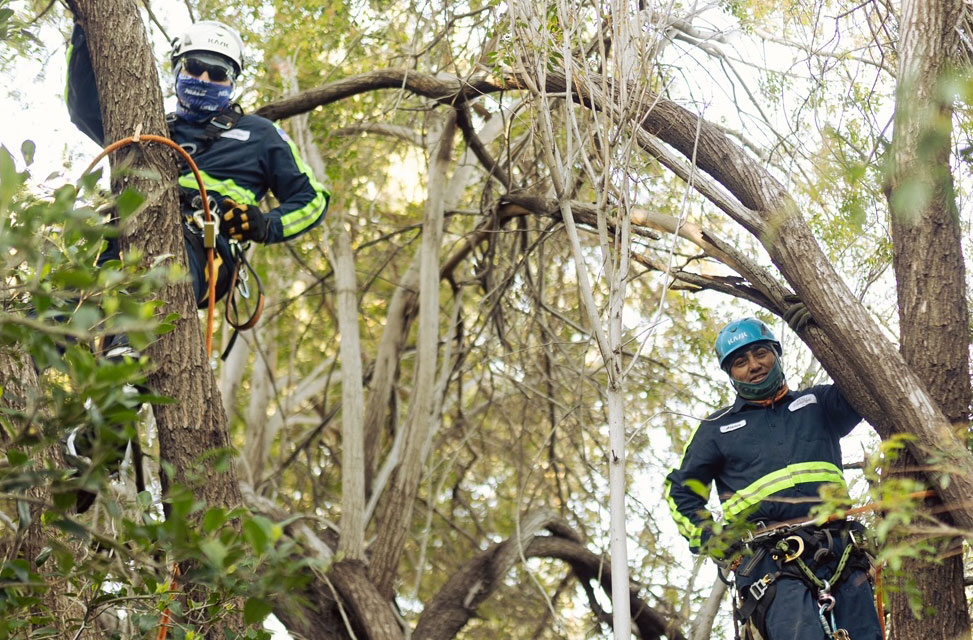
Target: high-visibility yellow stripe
686, 527
300, 219
790, 476
226, 188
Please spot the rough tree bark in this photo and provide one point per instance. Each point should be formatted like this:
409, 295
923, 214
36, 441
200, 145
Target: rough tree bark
195, 424
930, 278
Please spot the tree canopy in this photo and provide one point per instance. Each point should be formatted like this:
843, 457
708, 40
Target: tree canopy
542, 214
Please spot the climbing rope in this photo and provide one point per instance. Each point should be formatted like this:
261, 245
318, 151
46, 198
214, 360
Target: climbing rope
167, 614
880, 597
209, 236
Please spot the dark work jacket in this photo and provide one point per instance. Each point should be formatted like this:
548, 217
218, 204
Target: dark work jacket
755, 454
243, 164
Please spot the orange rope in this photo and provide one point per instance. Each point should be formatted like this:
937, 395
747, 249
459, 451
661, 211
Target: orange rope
879, 598
210, 252
167, 615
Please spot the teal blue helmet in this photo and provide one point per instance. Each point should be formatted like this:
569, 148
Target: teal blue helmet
741, 333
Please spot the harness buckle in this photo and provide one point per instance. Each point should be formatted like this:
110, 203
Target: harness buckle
759, 588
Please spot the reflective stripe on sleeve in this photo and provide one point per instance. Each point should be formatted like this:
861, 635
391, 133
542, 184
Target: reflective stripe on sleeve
300, 219
686, 527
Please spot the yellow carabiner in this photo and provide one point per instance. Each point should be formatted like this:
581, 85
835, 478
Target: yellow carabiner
800, 548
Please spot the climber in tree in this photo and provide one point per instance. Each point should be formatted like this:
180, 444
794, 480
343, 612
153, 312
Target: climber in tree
241, 156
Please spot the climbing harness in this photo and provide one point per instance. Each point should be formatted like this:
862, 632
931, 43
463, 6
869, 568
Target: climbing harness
789, 543
216, 127
798, 554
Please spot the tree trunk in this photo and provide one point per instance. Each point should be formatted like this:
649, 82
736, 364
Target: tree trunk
195, 425
18, 379
352, 542
931, 285
397, 514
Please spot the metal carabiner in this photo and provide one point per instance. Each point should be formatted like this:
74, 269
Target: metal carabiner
800, 548
825, 599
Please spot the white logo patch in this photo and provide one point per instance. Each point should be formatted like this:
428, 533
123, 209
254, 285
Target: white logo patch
237, 134
733, 426
803, 401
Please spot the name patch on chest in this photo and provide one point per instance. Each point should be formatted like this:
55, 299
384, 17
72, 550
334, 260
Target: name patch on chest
803, 401
733, 426
236, 134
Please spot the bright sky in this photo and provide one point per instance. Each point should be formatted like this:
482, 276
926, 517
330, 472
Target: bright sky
34, 101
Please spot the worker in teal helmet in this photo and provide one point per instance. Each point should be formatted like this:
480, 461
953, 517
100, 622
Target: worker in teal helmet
769, 454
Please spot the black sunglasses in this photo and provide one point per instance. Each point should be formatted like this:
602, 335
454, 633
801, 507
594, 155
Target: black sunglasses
217, 73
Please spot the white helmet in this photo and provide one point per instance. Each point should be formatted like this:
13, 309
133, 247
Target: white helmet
209, 36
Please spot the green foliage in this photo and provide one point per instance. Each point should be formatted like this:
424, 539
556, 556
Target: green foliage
56, 304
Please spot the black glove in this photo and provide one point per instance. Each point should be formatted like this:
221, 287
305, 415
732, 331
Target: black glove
796, 314
243, 222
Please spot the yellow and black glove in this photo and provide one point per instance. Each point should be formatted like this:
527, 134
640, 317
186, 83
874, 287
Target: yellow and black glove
243, 222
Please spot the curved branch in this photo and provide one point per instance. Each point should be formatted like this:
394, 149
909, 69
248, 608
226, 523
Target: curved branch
383, 129
650, 623
468, 588
451, 90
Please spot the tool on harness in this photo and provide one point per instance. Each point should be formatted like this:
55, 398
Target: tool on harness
784, 545
826, 603
242, 310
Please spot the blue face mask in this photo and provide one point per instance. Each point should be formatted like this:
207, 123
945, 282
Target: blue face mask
200, 100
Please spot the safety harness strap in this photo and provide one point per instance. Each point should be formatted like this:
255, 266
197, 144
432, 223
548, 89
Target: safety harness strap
216, 127
788, 551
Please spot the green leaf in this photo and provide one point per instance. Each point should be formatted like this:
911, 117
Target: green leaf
27, 150
255, 533
910, 198
74, 278
214, 519
255, 610
43, 556
214, 550
698, 487
16, 457
23, 512
72, 527
144, 499
128, 202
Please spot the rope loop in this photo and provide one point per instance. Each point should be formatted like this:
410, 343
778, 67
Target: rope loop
139, 138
